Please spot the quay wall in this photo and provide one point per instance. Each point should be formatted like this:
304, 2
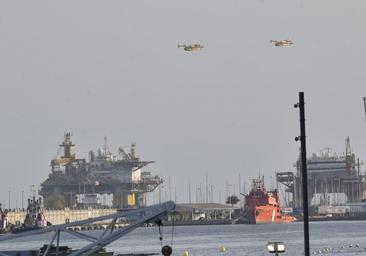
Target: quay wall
61, 216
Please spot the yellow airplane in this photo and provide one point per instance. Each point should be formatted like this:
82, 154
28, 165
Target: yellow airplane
190, 47
280, 43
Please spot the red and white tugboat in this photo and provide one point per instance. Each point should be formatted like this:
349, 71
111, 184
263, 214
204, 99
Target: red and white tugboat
262, 206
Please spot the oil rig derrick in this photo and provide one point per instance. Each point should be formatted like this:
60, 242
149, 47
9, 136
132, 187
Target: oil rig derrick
68, 162
120, 175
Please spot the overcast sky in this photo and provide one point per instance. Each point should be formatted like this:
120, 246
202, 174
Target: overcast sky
113, 68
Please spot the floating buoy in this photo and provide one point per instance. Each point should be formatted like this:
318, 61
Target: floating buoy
222, 249
185, 253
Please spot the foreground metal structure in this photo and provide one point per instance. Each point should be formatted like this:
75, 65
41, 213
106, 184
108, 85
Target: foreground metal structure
108, 236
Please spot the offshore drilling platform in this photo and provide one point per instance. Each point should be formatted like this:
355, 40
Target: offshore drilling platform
118, 175
332, 180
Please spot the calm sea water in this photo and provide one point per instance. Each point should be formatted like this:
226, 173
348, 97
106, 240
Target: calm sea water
340, 237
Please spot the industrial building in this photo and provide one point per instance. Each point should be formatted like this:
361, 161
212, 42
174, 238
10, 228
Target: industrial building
332, 179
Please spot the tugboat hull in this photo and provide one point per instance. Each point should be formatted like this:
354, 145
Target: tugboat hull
268, 214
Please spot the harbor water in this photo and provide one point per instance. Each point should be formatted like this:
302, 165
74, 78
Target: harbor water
327, 238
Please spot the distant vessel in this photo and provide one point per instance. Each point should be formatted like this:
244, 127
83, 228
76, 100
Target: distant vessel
34, 219
262, 206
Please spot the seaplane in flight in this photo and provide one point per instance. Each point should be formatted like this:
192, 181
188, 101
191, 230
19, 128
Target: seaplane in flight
190, 47
280, 43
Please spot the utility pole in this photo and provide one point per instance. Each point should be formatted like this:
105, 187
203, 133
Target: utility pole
239, 184
170, 189
206, 188
227, 188
196, 194
175, 194
212, 194
22, 199
201, 196
302, 137
364, 104
189, 192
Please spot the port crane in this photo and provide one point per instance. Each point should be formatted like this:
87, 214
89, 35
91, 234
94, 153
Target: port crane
109, 235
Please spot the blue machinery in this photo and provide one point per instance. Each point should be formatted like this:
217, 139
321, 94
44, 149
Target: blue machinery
109, 235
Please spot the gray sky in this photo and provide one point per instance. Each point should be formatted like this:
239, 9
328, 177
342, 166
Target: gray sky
112, 68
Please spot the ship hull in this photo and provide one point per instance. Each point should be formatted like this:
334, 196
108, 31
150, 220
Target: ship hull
267, 214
